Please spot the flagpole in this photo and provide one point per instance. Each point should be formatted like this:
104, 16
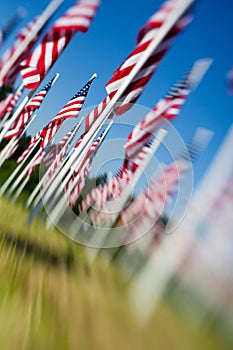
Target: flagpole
20, 189
23, 173
17, 169
43, 18
13, 142
37, 188
90, 135
61, 206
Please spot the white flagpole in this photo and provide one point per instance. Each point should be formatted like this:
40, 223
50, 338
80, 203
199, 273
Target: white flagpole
61, 206
39, 185
17, 91
13, 142
17, 169
43, 18
90, 135
23, 173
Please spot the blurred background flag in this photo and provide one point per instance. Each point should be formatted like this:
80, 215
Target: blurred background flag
78, 18
25, 40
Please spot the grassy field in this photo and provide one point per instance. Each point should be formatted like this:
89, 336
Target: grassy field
52, 298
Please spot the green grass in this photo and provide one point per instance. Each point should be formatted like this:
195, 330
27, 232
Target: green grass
52, 298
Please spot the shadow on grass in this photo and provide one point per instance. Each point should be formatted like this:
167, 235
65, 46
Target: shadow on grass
40, 254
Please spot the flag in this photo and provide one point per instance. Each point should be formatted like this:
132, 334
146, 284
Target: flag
28, 110
10, 76
167, 108
154, 200
101, 194
78, 18
150, 30
8, 104
91, 118
70, 110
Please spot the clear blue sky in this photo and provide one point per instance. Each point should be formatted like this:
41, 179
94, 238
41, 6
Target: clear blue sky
112, 37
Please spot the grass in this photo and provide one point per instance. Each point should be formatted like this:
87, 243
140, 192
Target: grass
51, 297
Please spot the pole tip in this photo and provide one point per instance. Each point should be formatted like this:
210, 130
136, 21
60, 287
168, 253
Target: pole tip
94, 76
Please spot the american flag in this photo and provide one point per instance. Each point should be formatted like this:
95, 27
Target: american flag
154, 201
77, 18
101, 194
8, 104
168, 108
91, 118
135, 162
10, 76
145, 37
70, 110
28, 110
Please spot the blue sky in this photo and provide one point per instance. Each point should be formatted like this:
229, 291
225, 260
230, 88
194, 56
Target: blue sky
112, 37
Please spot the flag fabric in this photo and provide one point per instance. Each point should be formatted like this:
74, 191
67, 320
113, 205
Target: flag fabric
8, 104
154, 200
167, 108
150, 30
10, 76
91, 118
101, 194
133, 163
70, 110
78, 18
28, 110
